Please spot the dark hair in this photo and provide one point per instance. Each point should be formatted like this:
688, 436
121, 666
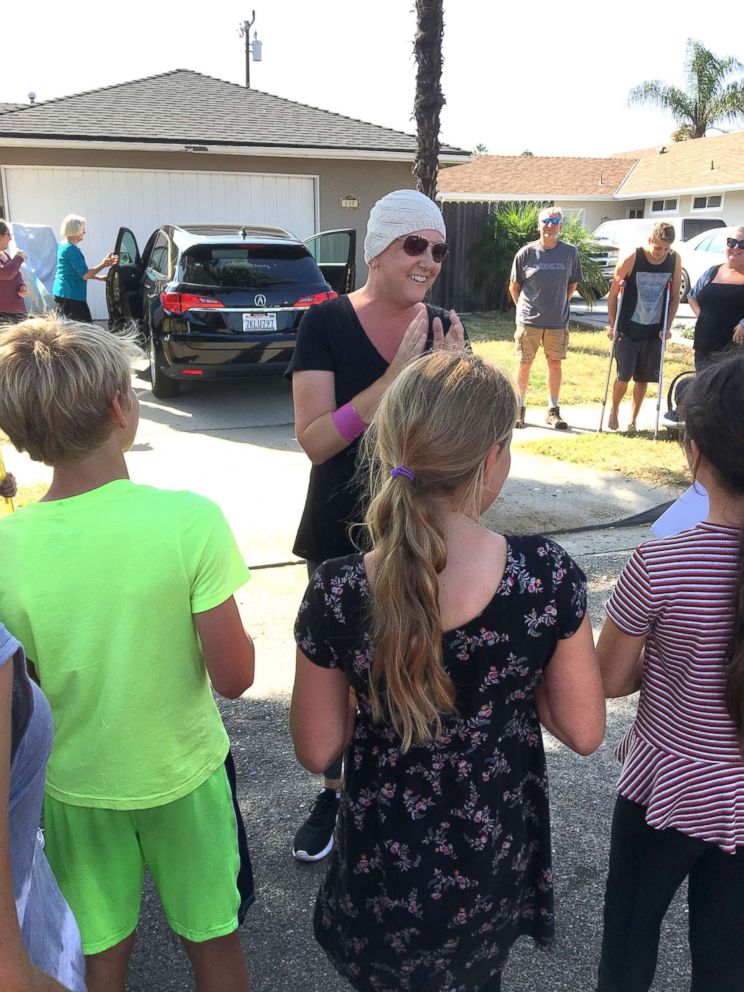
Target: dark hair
713, 411
4, 229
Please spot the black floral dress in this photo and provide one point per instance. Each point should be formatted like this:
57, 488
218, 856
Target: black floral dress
442, 854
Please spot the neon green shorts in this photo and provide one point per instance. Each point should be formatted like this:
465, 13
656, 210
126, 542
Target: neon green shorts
192, 848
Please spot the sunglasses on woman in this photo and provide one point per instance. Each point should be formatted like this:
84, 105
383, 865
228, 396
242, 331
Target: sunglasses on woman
735, 242
416, 244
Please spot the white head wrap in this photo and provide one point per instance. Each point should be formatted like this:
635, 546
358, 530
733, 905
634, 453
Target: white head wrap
398, 214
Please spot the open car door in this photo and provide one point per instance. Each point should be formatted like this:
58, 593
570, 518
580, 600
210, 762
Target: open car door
123, 295
335, 253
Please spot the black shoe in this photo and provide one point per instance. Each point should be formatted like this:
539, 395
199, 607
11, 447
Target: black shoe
553, 418
314, 839
520, 418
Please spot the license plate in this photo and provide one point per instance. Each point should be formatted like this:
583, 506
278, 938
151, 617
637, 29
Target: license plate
259, 321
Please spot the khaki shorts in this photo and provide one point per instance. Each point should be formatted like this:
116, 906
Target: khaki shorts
527, 340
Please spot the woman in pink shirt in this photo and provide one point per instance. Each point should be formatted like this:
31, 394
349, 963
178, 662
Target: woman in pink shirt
675, 629
12, 287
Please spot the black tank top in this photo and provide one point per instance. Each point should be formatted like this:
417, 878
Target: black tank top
642, 311
721, 309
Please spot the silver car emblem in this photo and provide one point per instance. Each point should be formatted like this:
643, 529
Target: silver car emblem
260, 300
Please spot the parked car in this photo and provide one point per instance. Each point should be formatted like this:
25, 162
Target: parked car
698, 254
618, 238
218, 301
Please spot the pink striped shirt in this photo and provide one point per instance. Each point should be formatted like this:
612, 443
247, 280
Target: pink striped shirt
681, 758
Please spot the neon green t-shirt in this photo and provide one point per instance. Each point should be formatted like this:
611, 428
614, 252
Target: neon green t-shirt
101, 589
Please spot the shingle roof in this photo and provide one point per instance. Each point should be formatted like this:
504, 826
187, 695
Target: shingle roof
686, 165
186, 107
539, 176
6, 107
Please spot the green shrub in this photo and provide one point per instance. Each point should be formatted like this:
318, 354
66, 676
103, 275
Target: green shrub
509, 228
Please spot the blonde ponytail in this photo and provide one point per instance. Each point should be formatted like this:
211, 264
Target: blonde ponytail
439, 419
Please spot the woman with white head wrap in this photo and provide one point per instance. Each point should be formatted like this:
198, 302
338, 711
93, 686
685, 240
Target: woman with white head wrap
348, 352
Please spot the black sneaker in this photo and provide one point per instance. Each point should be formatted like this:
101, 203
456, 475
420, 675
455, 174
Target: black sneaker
314, 839
553, 418
520, 418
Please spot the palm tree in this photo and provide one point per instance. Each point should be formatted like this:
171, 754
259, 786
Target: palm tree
429, 99
709, 97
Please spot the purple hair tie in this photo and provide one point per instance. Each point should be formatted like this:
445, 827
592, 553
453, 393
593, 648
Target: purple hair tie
402, 470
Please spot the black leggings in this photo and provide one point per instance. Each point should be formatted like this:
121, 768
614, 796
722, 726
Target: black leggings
647, 866
74, 309
335, 769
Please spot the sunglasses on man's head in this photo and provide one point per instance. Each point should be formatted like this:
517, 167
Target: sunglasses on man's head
415, 245
735, 243
551, 220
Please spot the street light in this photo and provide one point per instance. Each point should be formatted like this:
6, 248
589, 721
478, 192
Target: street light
251, 47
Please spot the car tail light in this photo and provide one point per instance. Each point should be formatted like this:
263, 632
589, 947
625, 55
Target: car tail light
313, 298
192, 372
181, 302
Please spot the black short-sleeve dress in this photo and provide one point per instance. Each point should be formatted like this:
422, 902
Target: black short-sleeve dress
332, 339
442, 853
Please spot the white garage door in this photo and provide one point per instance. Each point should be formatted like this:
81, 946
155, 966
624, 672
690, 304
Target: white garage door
143, 199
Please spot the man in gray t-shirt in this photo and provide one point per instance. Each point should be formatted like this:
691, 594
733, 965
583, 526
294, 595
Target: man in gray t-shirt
544, 275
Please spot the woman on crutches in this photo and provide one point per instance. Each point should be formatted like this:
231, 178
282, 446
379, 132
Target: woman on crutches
649, 306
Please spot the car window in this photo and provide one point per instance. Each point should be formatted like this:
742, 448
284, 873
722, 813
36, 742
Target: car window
250, 266
702, 245
159, 259
717, 243
127, 249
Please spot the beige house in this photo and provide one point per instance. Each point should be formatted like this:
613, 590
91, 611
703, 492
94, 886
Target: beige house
703, 177
584, 187
182, 147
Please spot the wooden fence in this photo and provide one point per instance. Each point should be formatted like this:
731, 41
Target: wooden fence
455, 286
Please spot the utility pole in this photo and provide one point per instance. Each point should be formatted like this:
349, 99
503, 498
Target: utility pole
251, 47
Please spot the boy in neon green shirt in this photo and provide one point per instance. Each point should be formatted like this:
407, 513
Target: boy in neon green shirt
123, 596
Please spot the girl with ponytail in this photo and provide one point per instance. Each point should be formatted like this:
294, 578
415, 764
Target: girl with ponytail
431, 661
675, 629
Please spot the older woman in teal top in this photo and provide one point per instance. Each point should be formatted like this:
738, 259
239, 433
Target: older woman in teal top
70, 289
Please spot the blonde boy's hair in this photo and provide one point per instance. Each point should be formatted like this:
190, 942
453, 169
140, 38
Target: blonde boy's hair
664, 231
57, 381
71, 226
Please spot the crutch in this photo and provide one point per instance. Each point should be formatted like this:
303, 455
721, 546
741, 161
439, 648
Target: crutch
667, 297
612, 353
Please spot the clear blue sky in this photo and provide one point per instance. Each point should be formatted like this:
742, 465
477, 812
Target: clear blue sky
551, 77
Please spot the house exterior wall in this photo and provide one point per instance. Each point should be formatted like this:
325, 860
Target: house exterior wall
731, 209
367, 180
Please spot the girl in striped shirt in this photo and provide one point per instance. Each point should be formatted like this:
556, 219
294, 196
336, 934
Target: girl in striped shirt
675, 629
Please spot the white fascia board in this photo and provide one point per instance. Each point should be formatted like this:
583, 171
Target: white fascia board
271, 151
499, 197
724, 188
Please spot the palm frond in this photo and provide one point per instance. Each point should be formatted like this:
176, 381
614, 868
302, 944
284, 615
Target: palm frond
710, 95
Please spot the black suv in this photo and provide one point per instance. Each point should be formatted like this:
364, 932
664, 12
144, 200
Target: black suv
220, 301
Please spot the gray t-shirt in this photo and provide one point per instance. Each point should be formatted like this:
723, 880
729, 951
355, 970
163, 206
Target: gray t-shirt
543, 275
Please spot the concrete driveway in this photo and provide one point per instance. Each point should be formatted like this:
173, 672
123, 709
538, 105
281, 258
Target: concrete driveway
234, 442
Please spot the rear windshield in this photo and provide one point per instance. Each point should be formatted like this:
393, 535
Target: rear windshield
250, 266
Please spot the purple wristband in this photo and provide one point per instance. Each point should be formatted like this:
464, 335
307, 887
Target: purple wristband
348, 422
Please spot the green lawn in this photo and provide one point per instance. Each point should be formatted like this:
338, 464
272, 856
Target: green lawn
584, 370
635, 456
